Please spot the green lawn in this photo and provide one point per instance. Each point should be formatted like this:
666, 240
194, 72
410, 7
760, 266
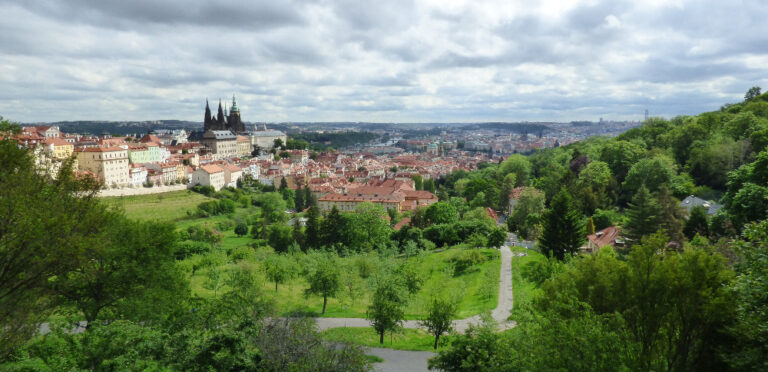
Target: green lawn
522, 289
168, 206
290, 296
405, 339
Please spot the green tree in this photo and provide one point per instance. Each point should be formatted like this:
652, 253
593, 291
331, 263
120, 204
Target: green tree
280, 237
751, 285
418, 182
278, 269
752, 93
132, 259
273, 207
324, 280
590, 226
298, 234
44, 224
332, 227
386, 311
530, 202
439, 320
642, 216
496, 238
441, 212
562, 232
620, 156
299, 199
519, 165
312, 233
649, 172
671, 215
697, 223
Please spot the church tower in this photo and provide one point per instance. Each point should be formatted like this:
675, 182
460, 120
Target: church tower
207, 121
220, 122
234, 123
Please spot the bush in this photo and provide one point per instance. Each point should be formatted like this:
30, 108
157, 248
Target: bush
242, 253
241, 229
465, 259
188, 248
225, 225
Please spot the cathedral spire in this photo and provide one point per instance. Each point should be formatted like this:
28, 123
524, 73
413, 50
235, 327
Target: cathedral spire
207, 120
220, 117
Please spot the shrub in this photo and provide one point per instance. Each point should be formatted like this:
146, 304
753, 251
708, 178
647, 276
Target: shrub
241, 253
465, 259
188, 248
241, 229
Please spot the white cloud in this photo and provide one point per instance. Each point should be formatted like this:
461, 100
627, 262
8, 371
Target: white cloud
380, 61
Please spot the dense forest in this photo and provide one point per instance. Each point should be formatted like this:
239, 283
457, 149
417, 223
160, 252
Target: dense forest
688, 291
336, 140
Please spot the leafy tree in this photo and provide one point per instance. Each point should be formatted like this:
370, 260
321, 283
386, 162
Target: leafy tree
441, 212
298, 233
429, 185
497, 238
751, 285
531, 202
697, 223
299, 199
278, 268
368, 227
131, 260
332, 227
324, 280
309, 198
642, 216
649, 172
440, 313
283, 184
562, 232
620, 156
280, 237
752, 93
671, 215
418, 182
214, 280
386, 311
519, 165
277, 143
312, 233
273, 207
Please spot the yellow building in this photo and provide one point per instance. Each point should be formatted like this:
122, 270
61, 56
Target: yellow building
244, 147
59, 148
110, 164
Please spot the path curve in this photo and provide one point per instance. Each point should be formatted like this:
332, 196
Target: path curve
499, 314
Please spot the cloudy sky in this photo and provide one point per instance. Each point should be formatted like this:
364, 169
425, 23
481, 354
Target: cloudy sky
383, 61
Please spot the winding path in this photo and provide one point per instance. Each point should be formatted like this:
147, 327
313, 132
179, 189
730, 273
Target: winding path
499, 314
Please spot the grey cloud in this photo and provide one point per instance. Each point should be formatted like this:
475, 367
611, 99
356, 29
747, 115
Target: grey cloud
253, 15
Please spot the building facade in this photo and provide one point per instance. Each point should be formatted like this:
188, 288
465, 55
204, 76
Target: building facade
110, 164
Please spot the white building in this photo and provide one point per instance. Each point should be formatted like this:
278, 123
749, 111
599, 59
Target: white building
209, 175
138, 175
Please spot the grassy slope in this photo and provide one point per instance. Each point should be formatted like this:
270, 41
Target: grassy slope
405, 339
290, 296
522, 290
169, 206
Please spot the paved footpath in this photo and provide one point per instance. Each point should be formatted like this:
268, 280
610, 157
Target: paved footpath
499, 314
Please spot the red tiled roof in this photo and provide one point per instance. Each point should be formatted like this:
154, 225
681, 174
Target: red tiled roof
211, 168
606, 236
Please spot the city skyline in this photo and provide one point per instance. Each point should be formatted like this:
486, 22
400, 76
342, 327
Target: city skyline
384, 62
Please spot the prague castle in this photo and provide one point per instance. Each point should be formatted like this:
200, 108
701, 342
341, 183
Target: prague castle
222, 121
